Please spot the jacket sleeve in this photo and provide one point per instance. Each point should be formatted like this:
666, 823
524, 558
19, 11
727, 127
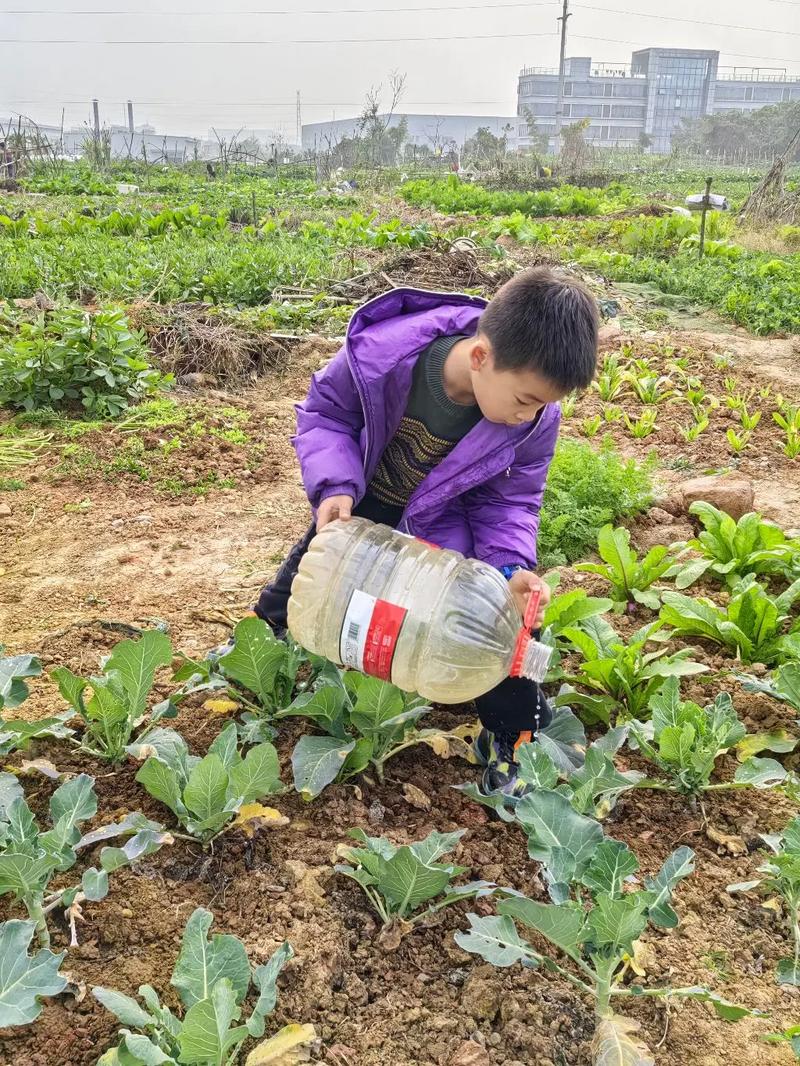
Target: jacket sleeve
504, 512
329, 425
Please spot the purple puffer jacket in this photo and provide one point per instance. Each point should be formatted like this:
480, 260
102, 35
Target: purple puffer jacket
483, 499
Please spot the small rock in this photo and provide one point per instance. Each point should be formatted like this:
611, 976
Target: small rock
5, 510
198, 381
376, 813
144, 519
731, 493
118, 523
470, 1054
660, 516
480, 997
650, 537
759, 669
609, 334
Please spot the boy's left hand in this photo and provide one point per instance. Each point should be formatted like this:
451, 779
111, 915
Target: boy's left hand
522, 583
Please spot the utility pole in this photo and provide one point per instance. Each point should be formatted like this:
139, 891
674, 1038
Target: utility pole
96, 113
299, 133
130, 117
561, 64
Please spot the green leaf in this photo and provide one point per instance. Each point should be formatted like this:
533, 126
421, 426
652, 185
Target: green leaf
139, 1050
160, 781
729, 1012
496, 940
225, 746
435, 845
206, 790
563, 740
94, 884
13, 668
535, 766
325, 706
406, 882
377, 703
24, 875
760, 773
10, 790
74, 801
554, 828
257, 775
787, 972
676, 866
255, 659
316, 762
24, 979
127, 1010
206, 1034
778, 740
561, 923
615, 922
610, 864
136, 662
614, 1044
265, 978
143, 843
202, 963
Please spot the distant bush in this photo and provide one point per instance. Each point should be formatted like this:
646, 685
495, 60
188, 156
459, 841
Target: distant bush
452, 196
69, 357
586, 488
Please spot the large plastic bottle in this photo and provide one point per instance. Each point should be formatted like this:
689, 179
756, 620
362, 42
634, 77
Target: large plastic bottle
424, 618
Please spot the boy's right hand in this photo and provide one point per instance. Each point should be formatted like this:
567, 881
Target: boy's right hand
332, 508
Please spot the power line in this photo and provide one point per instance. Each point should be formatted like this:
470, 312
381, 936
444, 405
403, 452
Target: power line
308, 11
645, 44
280, 44
694, 22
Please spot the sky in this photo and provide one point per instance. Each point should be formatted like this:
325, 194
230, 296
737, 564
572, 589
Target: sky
189, 65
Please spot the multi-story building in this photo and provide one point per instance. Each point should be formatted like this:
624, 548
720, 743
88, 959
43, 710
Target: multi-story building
643, 103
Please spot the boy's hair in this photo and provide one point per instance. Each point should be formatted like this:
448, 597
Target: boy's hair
544, 321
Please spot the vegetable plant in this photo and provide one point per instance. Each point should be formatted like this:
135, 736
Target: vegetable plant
782, 878
591, 426
206, 794
751, 625
14, 669
788, 418
118, 705
31, 857
631, 578
397, 881
25, 978
610, 379
593, 923
213, 978
621, 676
366, 721
258, 663
732, 550
737, 441
692, 432
651, 389
612, 413
684, 741
749, 421
16, 734
644, 425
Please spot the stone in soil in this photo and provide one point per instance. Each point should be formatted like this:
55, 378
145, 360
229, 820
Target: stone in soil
731, 493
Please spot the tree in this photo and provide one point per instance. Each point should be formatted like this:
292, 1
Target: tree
485, 148
539, 139
767, 130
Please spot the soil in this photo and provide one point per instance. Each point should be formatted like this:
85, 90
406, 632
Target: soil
136, 556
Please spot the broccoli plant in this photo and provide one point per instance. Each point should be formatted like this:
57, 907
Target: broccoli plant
367, 722
685, 740
732, 550
621, 676
16, 734
259, 672
564, 611
206, 794
783, 684
118, 705
30, 857
630, 577
213, 978
782, 877
587, 775
24, 979
752, 625
593, 925
397, 881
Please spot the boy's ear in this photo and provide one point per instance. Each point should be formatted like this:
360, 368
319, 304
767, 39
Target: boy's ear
479, 354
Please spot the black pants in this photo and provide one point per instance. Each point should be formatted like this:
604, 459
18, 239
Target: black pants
515, 705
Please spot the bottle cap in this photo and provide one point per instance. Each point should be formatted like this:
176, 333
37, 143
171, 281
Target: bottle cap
531, 659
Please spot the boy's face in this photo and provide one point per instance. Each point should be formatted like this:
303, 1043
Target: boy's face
510, 397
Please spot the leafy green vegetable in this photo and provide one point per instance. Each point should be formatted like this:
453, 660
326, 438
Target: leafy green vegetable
213, 978
622, 677
594, 921
13, 670
731, 550
685, 740
367, 722
631, 578
118, 705
397, 881
25, 978
782, 877
753, 625
30, 856
206, 794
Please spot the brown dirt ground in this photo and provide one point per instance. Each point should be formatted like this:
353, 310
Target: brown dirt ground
135, 556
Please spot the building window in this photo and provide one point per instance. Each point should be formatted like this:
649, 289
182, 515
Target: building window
567, 110
748, 92
606, 110
608, 89
567, 88
604, 133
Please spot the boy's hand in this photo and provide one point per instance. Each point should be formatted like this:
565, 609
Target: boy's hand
332, 508
522, 583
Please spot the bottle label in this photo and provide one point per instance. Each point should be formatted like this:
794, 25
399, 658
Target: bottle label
369, 634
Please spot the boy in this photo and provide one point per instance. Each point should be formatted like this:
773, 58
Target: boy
439, 418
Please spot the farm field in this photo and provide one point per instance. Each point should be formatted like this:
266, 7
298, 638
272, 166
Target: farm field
152, 348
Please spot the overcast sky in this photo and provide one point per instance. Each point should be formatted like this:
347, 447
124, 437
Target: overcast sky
255, 54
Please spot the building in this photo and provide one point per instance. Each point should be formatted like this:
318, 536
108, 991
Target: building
143, 143
435, 131
643, 103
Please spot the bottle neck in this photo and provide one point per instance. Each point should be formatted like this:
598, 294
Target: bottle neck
531, 659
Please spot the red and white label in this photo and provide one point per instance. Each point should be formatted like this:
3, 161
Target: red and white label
369, 634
